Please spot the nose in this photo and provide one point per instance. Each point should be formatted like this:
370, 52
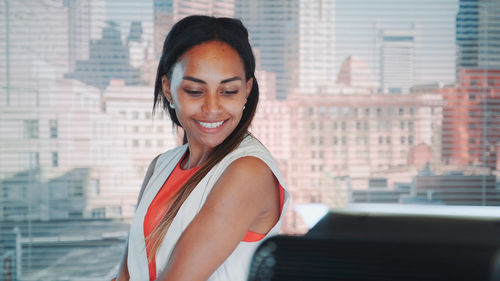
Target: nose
211, 103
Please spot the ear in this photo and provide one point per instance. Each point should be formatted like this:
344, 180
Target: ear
165, 87
249, 86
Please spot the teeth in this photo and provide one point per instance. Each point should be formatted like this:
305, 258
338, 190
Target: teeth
210, 125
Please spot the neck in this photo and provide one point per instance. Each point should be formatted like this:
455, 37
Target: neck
195, 157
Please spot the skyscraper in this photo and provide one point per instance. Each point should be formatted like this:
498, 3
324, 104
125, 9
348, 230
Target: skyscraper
109, 59
397, 61
478, 34
316, 45
85, 23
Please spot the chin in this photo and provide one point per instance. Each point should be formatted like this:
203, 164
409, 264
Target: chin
212, 143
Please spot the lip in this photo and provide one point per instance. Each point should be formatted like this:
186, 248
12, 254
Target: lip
211, 130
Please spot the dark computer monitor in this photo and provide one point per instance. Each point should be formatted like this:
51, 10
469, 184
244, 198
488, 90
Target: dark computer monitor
458, 243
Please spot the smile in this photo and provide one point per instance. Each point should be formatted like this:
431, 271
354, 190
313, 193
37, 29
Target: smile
210, 125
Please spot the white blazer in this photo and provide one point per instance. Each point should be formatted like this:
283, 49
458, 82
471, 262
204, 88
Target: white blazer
237, 265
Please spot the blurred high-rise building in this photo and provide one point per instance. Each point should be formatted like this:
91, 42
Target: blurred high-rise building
109, 59
316, 67
478, 34
471, 116
397, 61
85, 22
168, 12
295, 40
274, 28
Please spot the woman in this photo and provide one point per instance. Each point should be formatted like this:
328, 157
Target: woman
205, 206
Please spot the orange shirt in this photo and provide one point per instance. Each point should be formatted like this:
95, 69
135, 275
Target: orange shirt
162, 201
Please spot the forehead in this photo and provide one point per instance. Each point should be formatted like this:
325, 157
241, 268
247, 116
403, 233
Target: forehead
212, 56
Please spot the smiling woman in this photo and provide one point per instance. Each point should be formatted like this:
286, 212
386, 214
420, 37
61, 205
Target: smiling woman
205, 206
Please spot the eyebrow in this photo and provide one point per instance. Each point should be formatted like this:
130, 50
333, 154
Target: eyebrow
190, 78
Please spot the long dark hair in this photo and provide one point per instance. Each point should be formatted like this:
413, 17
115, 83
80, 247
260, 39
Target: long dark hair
184, 35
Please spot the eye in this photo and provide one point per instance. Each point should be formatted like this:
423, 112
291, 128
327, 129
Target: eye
193, 92
230, 92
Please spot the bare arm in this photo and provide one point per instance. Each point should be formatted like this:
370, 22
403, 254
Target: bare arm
245, 197
123, 269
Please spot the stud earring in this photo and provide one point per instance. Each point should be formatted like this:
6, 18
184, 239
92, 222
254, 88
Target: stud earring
245, 104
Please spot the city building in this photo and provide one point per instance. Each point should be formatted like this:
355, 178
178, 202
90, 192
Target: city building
477, 29
356, 135
136, 132
109, 59
27, 46
469, 186
471, 119
57, 149
316, 41
397, 61
86, 20
354, 72
456, 188
140, 50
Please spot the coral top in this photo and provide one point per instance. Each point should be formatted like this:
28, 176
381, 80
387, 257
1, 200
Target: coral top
164, 199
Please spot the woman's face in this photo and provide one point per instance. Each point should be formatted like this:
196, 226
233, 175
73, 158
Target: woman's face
209, 90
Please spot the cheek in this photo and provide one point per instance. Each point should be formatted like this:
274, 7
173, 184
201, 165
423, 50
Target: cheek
184, 110
236, 109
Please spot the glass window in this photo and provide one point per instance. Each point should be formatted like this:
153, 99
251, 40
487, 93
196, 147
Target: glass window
77, 133
53, 129
31, 129
55, 159
96, 186
99, 212
334, 110
345, 110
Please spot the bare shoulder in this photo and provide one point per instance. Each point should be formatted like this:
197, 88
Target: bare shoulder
250, 168
248, 182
